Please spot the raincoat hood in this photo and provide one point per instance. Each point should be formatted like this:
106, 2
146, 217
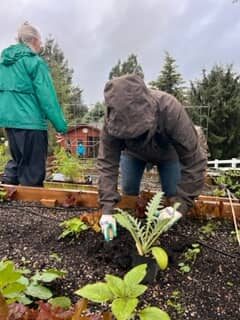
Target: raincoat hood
131, 108
15, 52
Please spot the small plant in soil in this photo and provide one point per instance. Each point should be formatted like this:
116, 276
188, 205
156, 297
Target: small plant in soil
174, 302
229, 179
209, 229
189, 258
122, 295
72, 227
146, 233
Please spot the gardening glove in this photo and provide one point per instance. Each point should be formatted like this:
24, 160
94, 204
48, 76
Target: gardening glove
108, 226
169, 213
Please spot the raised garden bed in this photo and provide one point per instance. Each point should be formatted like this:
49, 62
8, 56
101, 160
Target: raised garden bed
205, 206
210, 290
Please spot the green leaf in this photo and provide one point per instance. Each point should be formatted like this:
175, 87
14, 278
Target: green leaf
161, 257
116, 285
135, 291
98, 292
155, 313
63, 302
23, 299
135, 275
13, 290
48, 275
38, 291
8, 274
123, 309
23, 280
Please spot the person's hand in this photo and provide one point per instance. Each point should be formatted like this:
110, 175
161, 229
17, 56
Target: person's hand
59, 138
169, 213
108, 226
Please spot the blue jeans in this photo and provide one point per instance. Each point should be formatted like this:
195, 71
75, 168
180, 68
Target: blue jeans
132, 171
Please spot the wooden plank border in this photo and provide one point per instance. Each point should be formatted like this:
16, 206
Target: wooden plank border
205, 206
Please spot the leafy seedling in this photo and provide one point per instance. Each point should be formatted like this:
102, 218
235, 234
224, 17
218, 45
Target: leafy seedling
174, 302
122, 295
189, 258
72, 227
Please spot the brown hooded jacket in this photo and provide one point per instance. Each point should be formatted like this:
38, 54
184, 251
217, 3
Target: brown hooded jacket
150, 125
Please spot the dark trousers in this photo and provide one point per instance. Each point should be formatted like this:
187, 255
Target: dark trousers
28, 149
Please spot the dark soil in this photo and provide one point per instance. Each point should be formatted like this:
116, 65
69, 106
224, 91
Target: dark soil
210, 291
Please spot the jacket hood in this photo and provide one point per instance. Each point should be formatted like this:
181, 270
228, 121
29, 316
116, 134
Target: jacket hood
131, 108
15, 52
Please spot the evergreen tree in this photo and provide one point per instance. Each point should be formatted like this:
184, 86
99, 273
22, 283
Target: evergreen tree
129, 66
220, 90
169, 80
76, 109
96, 114
69, 96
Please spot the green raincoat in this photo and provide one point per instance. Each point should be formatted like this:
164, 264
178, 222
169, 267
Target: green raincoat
27, 95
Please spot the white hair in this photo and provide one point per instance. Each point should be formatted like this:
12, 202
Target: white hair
26, 33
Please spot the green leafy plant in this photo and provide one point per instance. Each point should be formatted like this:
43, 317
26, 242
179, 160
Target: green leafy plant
16, 286
12, 286
3, 194
229, 179
219, 192
67, 164
189, 258
174, 302
122, 295
4, 156
35, 287
146, 234
209, 229
72, 227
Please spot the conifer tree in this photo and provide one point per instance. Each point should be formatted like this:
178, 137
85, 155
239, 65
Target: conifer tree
129, 66
220, 90
170, 80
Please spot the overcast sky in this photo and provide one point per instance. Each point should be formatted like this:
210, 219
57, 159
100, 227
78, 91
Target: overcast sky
94, 34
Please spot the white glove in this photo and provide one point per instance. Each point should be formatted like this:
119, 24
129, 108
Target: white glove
108, 226
169, 213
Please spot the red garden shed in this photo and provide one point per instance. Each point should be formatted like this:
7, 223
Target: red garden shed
87, 134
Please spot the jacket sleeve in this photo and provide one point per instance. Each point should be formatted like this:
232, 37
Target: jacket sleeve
184, 137
47, 98
108, 166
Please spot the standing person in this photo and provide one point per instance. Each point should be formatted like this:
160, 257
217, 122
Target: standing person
147, 126
27, 100
81, 150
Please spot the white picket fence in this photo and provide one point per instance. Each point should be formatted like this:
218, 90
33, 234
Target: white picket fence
234, 163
